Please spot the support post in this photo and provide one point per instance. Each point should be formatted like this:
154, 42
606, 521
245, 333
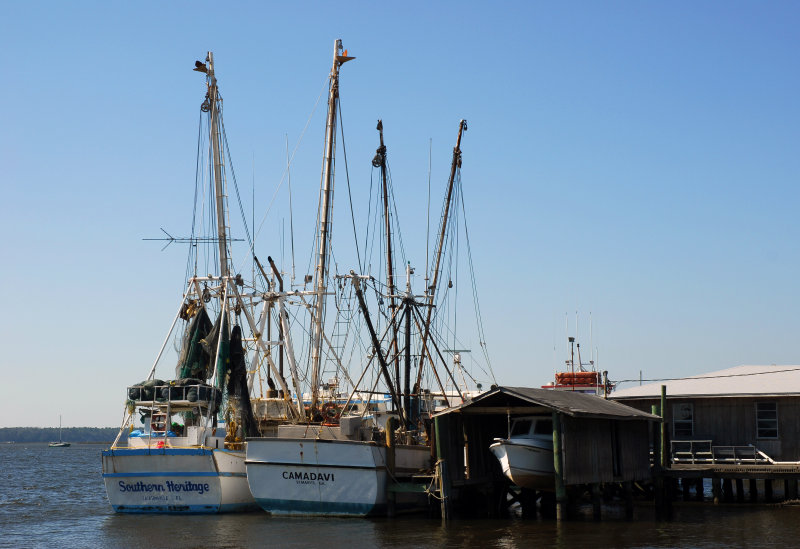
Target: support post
390, 465
753, 490
658, 481
727, 490
768, 490
699, 490
716, 490
685, 487
442, 439
791, 489
527, 500
739, 490
628, 487
663, 443
596, 507
561, 492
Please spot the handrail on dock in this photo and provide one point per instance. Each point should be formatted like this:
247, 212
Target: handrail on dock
692, 451
702, 451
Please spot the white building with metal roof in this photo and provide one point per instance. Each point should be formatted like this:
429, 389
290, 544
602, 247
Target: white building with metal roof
732, 382
745, 406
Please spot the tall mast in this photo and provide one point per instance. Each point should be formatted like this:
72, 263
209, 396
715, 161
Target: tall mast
211, 105
454, 166
339, 57
380, 161
409, 304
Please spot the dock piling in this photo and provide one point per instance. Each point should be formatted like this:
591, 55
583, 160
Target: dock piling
790, 489
561, 492
716, 490
596, 507
753, 490
727, 490
390, 465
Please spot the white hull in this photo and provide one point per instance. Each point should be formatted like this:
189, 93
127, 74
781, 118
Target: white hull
176, 480
323, 477
526, 463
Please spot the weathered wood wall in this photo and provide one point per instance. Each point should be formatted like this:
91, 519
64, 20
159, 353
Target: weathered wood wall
731, 421
602, 450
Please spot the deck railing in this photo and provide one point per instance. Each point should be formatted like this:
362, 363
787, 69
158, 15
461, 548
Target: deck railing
703, 452
198, 394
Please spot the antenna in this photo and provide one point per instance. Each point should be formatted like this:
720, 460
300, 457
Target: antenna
428, 212
591, 341
189, 240
253, 214
291, 219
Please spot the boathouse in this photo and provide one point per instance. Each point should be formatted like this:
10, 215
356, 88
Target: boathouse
597, 441
742, 413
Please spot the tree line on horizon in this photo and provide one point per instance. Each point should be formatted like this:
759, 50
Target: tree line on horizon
49, 434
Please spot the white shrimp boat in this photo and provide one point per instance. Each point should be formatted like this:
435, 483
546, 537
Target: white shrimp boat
341, 459
326, 470
181, 446
526, 456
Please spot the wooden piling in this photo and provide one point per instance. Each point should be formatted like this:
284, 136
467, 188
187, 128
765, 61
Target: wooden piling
561, 492
658, 481
628, 488
596, 507
442, 473
663, 443
739, 490
753, 490
716, 490
685, 488
527, 500
699, 490
390, 465
791, 489
547, 505
727, 490
768, 490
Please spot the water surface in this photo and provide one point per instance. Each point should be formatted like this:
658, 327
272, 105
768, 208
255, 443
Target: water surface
55, 497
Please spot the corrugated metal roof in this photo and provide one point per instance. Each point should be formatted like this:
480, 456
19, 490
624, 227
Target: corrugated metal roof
732, 382
568, 402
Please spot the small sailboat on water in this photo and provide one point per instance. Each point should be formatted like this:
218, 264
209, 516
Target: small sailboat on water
60, 443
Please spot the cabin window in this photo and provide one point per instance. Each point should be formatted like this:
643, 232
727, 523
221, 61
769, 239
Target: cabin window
521, 428
543, 427
683, 420
766, 420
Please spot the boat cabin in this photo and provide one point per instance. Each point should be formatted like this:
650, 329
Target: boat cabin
532, 427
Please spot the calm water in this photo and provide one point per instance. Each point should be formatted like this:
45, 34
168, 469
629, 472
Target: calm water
55, 497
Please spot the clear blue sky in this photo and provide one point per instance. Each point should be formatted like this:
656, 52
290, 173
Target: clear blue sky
638, 160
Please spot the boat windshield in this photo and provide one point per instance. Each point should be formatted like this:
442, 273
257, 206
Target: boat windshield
521, 428
543, 427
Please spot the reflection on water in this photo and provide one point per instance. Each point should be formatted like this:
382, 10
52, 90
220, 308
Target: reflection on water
55, 496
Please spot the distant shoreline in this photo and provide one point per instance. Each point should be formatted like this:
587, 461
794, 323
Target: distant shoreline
74, 435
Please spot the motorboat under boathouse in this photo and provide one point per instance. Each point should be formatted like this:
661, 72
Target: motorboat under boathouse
482, 446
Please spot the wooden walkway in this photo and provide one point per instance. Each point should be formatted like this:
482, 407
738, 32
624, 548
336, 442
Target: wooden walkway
732, 470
